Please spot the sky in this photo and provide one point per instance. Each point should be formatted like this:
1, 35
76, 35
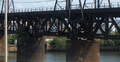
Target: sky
20, 4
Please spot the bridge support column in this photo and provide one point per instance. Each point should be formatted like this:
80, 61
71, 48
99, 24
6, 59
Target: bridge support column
1, 45
31, 50
82, 51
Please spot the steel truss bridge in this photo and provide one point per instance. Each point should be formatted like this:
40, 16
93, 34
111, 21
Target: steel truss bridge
83, 20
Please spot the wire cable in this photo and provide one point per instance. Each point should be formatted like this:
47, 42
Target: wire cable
35, 1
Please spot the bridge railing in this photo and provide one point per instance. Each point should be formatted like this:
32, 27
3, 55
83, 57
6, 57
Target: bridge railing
103, 5
35, 9
75, 6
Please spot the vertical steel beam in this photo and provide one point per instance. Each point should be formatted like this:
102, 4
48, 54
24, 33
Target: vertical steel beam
43, 25
109, 3
13, 6
10, 25
46, 25
80, 4
68, 4
2, 6
68, 8
50, 25
58, 25
13, 25
98, 4
8, 6
95, 3
106, 25
61, 25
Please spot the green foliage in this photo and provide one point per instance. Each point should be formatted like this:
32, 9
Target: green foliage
59, 42
117, 42
107, 43
11, 38
111, 42
101, 42
10, 41
23, 34
47, 42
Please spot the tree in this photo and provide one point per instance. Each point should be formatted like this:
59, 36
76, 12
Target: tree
23, 34
11, 38
59, 42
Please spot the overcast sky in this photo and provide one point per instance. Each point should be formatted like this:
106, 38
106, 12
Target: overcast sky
47, 3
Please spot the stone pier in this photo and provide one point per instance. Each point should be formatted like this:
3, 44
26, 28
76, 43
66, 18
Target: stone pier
83, 51
31, 50
1, 45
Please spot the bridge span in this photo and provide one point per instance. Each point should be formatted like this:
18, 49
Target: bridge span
102, 20
84, 21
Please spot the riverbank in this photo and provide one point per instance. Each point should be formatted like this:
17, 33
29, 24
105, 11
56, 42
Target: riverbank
52, 48
12, 48
109, 48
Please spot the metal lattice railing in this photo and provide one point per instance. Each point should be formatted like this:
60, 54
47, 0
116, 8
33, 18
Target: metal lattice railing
75, 6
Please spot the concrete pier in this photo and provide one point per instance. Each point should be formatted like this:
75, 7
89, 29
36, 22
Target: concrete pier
1, 45
31, 50
83, 51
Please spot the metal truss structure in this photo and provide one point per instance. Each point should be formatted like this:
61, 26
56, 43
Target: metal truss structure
11, 7
83, 22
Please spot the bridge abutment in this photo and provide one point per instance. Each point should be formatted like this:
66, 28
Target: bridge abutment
31, 50
82, 51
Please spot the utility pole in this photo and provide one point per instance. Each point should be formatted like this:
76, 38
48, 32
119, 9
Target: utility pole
6, 43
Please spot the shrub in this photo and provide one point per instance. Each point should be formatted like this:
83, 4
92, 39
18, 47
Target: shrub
101, 42
23, 33
59, 42
11, 38
107, 43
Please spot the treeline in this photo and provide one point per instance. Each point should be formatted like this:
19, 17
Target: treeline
110, 42
59, 42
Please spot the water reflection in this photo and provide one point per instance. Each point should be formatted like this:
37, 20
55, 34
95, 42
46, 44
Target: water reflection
55, 57
12, 57
105, 56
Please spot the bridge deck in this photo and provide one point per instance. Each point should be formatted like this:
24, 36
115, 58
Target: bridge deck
93, 21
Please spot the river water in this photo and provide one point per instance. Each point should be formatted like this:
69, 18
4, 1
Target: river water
105, 56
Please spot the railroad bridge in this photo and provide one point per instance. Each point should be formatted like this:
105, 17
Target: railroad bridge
83, 23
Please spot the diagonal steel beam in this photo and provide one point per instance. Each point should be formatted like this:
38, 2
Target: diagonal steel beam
84, 4
66, 26
99, 26
51, 24
79, 28
109, 3
109, 30
113, 21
